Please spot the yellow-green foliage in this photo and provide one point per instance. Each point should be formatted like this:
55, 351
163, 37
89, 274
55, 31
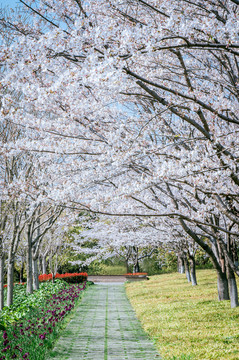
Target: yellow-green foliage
186, 322
103, 269
113, 270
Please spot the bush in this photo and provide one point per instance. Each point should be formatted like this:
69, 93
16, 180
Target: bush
31, 333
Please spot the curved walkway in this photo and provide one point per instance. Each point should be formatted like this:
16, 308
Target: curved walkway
104, 328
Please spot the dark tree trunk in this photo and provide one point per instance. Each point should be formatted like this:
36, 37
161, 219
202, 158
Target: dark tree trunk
232, 287
40, 265
232, 250
136, 259
2, 262
186, 265
51, 265
179, 264
29, 262
44, 265
21, 272
56, 264
193, 269
181, 268
222, 283
10, 281
35, 273
136, 267
222, 286
127, 266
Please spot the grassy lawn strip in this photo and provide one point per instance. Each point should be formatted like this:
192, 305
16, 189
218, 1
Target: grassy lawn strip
186, 322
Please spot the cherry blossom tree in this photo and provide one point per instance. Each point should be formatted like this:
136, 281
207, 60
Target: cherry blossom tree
135, 106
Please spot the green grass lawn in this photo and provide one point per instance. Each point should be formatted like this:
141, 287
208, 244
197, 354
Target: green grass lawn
187, 322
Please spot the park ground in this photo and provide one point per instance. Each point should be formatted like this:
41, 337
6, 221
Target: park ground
186, 322
104, 328
181, 321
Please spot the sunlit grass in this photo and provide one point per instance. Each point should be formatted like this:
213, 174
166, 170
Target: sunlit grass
186, 322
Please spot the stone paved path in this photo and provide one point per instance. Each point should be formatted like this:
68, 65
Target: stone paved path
107, 278
104, 328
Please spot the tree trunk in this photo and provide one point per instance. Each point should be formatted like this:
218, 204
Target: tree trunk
222, 283
56, 264
187, 269
193, 270
10, 279
232, 250
40, 265
51, 263
29, 262
135, 259
35, 274
127, 266
232, 287
222, 286
21, 272
2, 258
178, 264
181, 268
136, 267
51, 266
44, 270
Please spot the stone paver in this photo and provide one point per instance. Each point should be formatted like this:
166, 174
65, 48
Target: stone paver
104, 328
107, 278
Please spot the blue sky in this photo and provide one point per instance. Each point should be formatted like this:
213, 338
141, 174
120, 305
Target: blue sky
10, 3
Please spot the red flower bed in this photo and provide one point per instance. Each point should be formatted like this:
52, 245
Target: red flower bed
74, 278
14, 285
136, 276
130, 274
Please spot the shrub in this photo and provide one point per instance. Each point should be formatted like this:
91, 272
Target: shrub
34, 333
